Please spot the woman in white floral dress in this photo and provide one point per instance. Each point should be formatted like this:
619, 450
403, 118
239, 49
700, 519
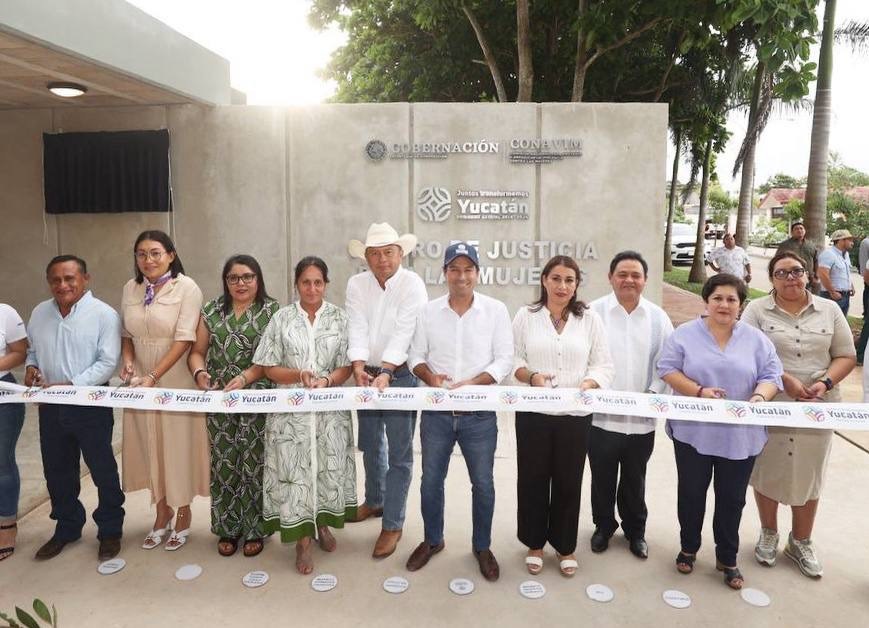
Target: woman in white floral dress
309, 481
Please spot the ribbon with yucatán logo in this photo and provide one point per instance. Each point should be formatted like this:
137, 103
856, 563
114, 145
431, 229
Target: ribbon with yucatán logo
848, 416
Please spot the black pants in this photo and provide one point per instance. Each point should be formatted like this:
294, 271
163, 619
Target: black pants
550, 452
695, 470
67, 433
607, 451
864, 333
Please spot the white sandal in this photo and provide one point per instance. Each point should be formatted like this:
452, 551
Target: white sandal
177, 540
534, 564
568, 567
154, 538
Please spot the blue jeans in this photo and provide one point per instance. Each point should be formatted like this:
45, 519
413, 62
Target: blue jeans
67, 433
477, 436
386, 442
11, 421
844, 303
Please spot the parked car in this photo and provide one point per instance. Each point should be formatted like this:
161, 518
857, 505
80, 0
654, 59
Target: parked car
682, 240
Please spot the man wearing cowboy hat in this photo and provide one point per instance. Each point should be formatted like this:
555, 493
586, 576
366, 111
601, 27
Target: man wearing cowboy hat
382, 305
834, 270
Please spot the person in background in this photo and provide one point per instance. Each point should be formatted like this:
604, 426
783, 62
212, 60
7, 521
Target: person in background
76, 339
834, 270
164, 452
863, 269
620, 446
229, 332
13, 351
731, 259
813, 340
717, 357
309, 482
798, 244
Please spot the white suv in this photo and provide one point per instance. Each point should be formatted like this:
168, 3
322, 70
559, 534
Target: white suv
682, 240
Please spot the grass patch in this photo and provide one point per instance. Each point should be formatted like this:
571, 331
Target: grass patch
679, 277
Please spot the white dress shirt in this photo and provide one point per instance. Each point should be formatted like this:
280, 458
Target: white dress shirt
478, 341
635, 341
381, 321
580, 352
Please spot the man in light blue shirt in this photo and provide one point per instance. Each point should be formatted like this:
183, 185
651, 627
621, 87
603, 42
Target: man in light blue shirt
834, 270
76, 339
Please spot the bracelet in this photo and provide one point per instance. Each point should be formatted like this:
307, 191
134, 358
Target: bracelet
700, 391
388, 372
197, 372
329, 381
153, 376
531, 378
758, 395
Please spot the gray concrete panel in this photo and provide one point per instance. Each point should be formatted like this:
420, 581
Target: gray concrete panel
613, 194
228, 170
335, 192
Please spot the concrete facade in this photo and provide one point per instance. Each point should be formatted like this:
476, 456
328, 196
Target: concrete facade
282, 183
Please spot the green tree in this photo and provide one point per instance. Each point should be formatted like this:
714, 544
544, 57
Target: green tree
781, 180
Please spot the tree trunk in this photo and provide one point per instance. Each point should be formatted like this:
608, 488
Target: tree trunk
580, 69
743, 211
698, 266
488, 54
816, 180
523, 41
671, 209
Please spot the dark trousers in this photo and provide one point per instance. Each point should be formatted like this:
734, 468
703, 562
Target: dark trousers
550, 453
844, 303
864, 333
607, 453
67, 433
695, 470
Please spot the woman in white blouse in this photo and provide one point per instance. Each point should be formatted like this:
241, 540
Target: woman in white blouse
559, 342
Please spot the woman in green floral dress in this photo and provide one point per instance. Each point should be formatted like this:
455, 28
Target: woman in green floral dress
230, 329
309, 483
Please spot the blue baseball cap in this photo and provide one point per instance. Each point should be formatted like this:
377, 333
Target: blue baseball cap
461, 249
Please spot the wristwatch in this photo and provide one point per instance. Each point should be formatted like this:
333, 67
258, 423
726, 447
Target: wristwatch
827, 382
389, 372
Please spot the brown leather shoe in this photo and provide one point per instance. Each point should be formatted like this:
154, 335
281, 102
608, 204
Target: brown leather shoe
422, 554
488, 565
364, 512
52, 548
109, 548
386, 543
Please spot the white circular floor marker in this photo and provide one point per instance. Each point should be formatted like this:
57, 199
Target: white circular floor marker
324, 582
599, 593
112, 566
677, 599
255, 579
461, 586
395, 584
532, 589
755, 597
188, 572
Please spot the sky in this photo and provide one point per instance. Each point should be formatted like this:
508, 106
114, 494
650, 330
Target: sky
275, 56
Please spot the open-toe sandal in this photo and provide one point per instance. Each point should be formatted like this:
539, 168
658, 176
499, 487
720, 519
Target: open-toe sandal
154, 538
567, 566
732, 576
252, 547
534, 564
685, 562
227, 546
6, 552
177, 540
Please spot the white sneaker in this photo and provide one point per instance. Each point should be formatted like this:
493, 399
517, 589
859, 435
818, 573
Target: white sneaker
803, 554
767, 547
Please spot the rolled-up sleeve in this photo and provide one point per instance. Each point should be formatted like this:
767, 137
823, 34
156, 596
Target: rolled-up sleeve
600, 362
357, 323
672, 359
769, 367
502, 345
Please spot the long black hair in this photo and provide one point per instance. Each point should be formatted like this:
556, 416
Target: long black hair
311, 260
249, 261
157, 236
575, 306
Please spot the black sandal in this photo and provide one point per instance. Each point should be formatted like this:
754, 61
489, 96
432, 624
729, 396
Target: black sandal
685, 562
233, 543
6, 552
732, 576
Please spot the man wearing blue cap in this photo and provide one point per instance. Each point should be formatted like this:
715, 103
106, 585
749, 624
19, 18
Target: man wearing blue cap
462, 338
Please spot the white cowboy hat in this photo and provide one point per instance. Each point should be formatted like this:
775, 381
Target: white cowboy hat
382, 234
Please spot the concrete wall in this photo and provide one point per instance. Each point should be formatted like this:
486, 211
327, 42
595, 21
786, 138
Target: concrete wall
282, 183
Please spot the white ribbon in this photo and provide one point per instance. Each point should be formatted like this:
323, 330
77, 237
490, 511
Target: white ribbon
847, 416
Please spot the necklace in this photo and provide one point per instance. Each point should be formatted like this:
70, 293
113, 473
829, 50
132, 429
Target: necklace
556, 322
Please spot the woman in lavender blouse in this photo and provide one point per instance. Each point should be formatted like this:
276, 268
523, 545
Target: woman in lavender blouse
717, 356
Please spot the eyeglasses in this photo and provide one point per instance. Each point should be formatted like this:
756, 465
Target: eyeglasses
782, 273
246, 278
154, 256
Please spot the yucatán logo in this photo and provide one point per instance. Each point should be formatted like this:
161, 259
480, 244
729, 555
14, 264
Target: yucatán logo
375, 150
814, 413
433, 204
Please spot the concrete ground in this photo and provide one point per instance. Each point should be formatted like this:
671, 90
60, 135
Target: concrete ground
145, 592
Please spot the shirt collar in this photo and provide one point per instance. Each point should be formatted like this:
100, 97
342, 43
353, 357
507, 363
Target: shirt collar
613, 304
87, 296
302, 311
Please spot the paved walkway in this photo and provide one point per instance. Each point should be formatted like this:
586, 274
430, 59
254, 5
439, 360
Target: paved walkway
146, 593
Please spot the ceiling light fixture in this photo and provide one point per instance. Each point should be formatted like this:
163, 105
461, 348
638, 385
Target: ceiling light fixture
67, 90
